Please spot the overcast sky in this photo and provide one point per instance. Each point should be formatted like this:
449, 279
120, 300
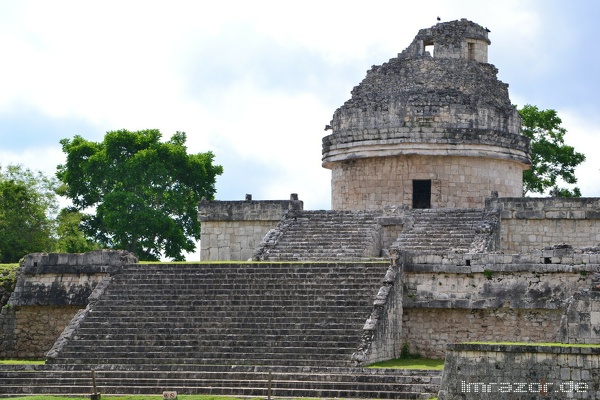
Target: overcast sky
255, 81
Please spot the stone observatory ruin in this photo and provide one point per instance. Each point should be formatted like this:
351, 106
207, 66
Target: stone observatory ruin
429, 244
430, 128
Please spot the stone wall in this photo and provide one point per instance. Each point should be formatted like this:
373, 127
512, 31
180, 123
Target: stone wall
232, 230
494, 371
428, 331
383, 328
232, 240
535, 223
581, 321
50, 290
452, 298
456, 182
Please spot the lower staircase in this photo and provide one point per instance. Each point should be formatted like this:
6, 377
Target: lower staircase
228, 329
235, 380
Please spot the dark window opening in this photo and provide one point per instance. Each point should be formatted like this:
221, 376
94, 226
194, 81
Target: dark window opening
471, 49
422, 193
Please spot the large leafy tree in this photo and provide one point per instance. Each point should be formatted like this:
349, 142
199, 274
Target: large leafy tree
553, 162
27, 209
143, 193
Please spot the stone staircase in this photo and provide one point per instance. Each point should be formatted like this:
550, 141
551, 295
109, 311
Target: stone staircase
441, 230
225, 329
323, 235
259, 314
238, 381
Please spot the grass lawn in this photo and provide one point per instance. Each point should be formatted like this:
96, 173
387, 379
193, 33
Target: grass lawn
141, 397
22, 362
410, 363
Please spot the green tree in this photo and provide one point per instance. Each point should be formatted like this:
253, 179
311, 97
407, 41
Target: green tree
553, 162
144, 192
27, 209
70, 237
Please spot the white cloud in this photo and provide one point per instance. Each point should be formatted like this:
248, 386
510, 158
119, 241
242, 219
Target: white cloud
584, 136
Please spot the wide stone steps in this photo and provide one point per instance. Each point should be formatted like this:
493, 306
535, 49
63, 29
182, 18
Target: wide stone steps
260, 314
441, 230
290, 382
323, 235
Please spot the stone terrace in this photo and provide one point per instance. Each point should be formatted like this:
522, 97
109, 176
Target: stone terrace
223, 329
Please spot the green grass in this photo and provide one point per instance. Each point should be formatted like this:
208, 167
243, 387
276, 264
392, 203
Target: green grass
22, 362
552, 344
159, 397
410, 363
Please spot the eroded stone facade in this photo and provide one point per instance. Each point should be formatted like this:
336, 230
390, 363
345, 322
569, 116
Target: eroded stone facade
50, 289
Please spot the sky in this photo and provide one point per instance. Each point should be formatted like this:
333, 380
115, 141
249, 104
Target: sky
255, 82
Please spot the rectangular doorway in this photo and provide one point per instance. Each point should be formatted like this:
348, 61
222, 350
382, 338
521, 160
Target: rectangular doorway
422, 193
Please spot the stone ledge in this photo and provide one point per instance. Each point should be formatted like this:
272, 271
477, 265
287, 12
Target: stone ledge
247, 210
524, 348
509, 267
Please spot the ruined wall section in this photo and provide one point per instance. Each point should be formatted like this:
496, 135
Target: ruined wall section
50, 289
448, 41
232, 230
428, 93
453, 298
581, 321
534, 223
501, 371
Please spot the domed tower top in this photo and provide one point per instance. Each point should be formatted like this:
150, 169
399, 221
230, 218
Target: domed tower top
439, 98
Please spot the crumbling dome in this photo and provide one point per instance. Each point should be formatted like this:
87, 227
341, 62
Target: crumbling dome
433, 127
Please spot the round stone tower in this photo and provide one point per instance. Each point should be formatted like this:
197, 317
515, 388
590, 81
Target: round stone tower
431, 128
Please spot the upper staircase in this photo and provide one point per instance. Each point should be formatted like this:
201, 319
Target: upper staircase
440, 230
323, 235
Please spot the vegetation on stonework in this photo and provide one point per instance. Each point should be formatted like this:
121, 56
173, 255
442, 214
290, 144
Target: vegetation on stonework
553, 162
8, 272
137, 193
8, 280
